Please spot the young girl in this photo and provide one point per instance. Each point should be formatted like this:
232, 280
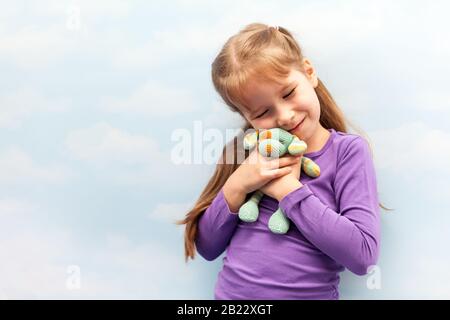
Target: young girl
261, 74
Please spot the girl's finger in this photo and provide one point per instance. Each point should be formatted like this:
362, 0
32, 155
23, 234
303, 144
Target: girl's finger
276, 173
282, 172
282, 162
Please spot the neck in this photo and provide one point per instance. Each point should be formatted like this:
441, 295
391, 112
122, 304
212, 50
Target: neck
318, 139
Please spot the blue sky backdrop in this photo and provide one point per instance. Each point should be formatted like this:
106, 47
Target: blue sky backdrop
91, 91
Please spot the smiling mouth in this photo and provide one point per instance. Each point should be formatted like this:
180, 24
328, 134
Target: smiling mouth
297, 126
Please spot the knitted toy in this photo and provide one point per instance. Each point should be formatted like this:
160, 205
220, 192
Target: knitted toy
274, 143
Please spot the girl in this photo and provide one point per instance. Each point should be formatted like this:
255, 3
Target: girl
261, 74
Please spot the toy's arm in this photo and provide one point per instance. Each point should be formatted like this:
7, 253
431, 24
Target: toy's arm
298, 146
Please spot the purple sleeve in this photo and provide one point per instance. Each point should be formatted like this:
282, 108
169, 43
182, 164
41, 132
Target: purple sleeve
352, 236
215, 228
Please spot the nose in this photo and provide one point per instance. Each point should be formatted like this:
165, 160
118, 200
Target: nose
285, 117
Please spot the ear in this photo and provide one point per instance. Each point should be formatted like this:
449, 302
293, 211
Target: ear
310, 72
250, 140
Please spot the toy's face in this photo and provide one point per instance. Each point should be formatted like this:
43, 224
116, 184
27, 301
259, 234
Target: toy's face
274, 142
273, 133
271, 105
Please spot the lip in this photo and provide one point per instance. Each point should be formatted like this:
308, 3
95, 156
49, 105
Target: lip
297, 126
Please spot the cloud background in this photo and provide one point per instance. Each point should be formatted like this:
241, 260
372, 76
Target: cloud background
91, 92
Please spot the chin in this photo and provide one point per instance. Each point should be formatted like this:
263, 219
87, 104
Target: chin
303, 134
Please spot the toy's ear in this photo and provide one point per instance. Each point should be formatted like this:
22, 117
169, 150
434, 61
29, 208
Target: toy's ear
250, 140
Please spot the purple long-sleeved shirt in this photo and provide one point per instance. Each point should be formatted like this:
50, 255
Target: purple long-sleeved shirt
335, 224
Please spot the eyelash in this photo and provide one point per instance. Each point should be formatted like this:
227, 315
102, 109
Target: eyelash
286, 96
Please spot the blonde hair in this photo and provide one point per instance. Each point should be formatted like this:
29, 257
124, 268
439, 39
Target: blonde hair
266, 53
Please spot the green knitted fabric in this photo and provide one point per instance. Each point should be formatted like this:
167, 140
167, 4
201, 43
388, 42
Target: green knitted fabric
274, 143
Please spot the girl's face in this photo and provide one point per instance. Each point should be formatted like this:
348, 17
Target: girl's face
292, 106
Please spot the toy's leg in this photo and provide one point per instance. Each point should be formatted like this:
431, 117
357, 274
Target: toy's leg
310, 167
278, 222
249, 211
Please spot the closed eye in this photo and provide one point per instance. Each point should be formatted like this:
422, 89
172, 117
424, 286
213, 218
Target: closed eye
286, 96
261, 114
289, 93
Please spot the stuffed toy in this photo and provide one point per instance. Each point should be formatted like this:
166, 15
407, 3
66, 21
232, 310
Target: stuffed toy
274, 143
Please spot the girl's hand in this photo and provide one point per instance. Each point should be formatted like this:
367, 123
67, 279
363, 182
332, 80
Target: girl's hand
256, 171
280, 187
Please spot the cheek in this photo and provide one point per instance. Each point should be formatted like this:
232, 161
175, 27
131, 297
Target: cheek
310, 105
263, 124
315, 111
269, 121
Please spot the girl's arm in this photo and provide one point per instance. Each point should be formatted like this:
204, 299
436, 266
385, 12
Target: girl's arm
352, 236
215, 228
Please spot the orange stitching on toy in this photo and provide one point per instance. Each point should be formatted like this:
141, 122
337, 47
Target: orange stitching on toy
269, 149
265, 135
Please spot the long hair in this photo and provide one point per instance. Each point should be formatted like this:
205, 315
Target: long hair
260, 52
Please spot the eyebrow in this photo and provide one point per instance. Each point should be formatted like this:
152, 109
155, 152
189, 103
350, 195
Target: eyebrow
252, 113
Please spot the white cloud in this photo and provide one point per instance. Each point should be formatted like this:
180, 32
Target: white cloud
413, 148
433, 100
30, 270
104, 144
66, 30
167, 45
23, 103
153, 99
36, 256
14, 207
151, 270
427, 279
92, 9
420, 268
408, 277
170, 212
418, 155
55, 8
16, 166
133, 159
220, 116
36, 260
46, 45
